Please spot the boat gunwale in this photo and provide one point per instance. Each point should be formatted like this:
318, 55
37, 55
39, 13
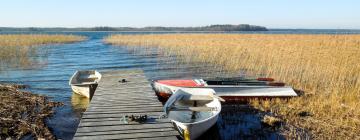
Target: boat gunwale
96, 81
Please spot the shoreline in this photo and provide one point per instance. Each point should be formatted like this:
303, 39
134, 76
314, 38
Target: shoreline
23, 113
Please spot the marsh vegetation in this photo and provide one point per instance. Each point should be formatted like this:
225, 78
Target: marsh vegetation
23, 114
17, 49
324, 67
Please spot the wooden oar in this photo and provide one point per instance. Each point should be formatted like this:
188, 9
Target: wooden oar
217, 97
279, 84
250, 83
242, 79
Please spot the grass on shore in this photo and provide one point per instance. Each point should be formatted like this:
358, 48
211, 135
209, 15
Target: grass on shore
326, 67
16, 49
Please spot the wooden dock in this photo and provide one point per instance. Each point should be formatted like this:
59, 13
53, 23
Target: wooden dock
113, 100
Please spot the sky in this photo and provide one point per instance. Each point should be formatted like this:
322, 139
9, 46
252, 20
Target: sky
312, 14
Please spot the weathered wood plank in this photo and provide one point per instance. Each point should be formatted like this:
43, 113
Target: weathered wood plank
127, 103
139, 109
116, 121
143, 111
122, 104
89, 129
120, 115
123, 99
125, 106
130, 136
126, 132
113, 100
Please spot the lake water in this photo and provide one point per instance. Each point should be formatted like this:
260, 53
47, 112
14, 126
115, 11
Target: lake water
51, 77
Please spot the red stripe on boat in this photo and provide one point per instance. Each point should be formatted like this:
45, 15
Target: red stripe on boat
180, 83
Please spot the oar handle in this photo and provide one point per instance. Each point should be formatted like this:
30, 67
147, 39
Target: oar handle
277, 84
268, 79
265, 79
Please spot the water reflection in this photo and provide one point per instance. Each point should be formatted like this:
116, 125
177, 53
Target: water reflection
23, 57
241, 121
79, 103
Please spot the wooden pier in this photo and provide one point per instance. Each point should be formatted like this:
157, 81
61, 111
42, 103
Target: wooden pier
113, 100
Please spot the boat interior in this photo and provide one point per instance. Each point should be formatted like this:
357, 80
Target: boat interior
193, 103
86, 77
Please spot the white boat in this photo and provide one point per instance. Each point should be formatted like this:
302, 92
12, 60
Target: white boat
193, 111
230, 90
85, 82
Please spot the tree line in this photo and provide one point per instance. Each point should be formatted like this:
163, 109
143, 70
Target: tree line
219, 27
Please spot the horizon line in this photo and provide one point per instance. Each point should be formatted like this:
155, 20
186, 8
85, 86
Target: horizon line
269, 28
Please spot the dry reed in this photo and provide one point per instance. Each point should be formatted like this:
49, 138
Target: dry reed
16, 49
326, 67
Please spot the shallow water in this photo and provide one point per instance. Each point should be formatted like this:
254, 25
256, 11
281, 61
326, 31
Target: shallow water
51, 79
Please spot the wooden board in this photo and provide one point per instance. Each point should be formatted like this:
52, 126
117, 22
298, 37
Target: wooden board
113, 100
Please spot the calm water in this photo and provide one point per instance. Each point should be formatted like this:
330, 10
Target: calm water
51, 78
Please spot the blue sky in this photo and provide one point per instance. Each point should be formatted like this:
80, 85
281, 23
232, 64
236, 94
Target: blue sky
337, 14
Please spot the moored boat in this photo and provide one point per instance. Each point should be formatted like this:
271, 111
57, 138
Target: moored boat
193, 111
229, 89
85, 82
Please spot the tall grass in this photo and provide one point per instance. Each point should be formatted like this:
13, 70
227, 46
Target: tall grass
16, 49
326, 67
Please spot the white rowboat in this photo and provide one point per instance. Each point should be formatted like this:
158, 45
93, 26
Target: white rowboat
85, 82
193, 111
228, 90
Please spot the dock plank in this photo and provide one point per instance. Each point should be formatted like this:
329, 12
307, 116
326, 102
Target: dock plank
130, 136
113, 100
126, 132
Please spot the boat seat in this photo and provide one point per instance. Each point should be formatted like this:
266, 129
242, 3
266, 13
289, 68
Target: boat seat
89, 77
86, 80
84, 83
183, 108
198, 98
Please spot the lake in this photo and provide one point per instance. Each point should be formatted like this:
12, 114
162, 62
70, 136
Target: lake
50, 77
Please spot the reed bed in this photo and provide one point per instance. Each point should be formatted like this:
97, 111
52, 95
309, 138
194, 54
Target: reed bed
325, 67
16, 49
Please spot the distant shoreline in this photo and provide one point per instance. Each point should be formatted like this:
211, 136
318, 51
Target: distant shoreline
269, 31
222, 27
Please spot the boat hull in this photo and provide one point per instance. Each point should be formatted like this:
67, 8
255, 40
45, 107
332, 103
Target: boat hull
188, 127
194, 131
84, 90
229, 92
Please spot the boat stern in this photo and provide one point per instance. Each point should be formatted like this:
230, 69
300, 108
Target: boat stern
165, 88
184, 131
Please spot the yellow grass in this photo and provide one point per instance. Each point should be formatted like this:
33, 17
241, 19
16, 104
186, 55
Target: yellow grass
326, 67
15, 49
11, 40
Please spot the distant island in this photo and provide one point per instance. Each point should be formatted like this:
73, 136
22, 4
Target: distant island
214, 28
